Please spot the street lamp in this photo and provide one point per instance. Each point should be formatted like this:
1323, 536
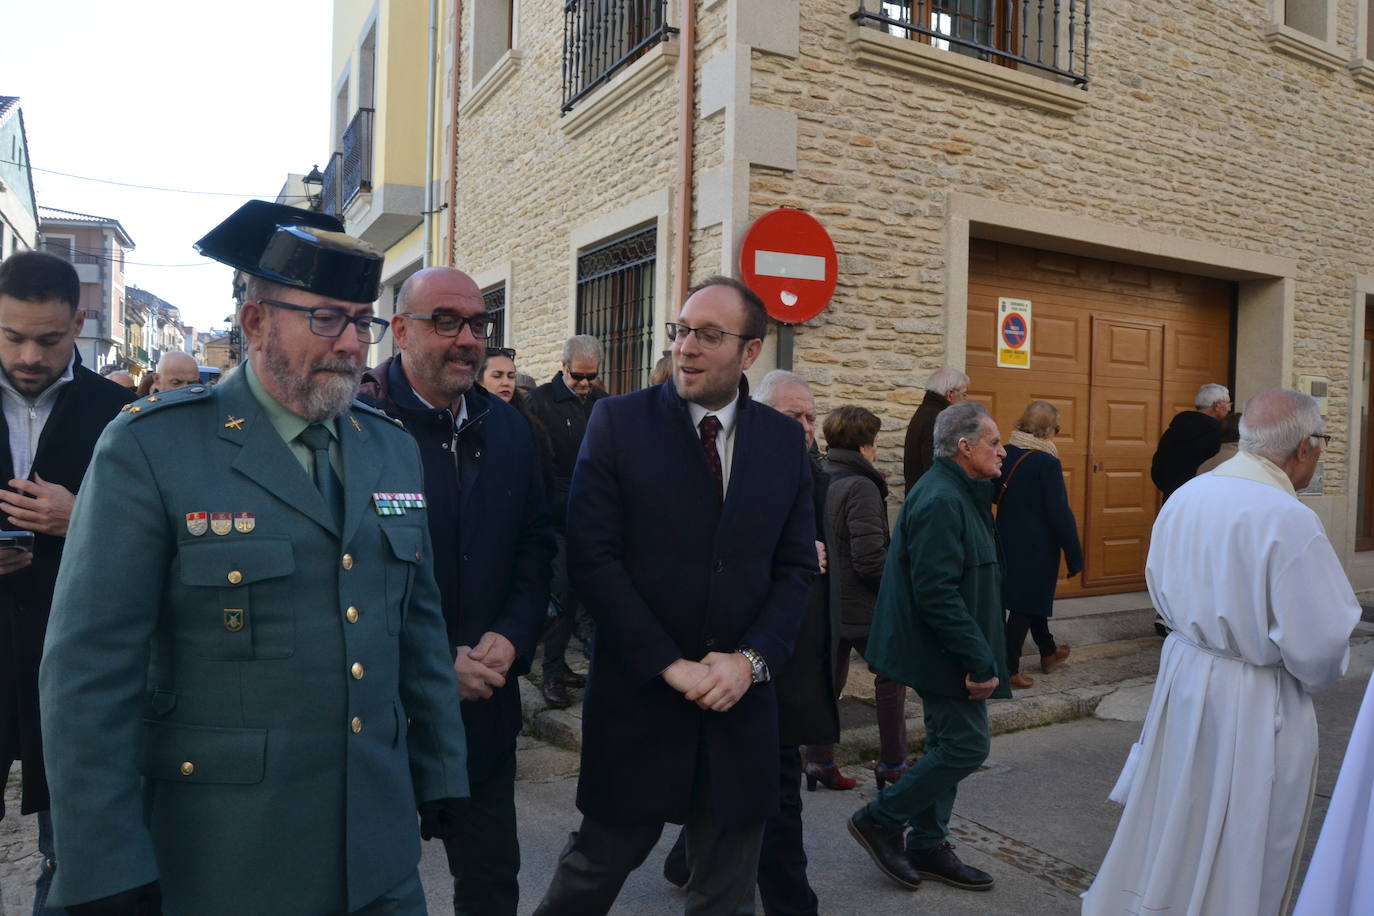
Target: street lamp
314, 185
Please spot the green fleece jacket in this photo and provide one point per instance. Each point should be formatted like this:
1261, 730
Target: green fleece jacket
939, 611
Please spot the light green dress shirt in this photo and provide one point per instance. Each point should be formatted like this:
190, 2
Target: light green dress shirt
288, 425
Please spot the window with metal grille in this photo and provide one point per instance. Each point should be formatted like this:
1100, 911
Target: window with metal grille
602, 36
615, 304
494, 299
1048, 35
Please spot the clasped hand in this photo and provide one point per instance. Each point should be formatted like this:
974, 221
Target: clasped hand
38, 506
716, 682
482, 669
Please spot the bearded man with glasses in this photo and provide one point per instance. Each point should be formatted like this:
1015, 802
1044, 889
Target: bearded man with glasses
246, 689
493, 544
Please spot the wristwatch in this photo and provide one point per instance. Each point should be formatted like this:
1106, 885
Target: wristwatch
756, 662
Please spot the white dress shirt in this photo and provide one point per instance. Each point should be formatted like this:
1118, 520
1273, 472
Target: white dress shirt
725, 439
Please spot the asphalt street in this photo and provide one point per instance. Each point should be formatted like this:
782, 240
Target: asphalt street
1037, 818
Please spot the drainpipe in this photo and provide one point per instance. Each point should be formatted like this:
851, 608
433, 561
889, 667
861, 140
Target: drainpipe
686, 124
429, 133
455, 86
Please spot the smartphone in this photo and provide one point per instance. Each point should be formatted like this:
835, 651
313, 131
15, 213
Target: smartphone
16, 540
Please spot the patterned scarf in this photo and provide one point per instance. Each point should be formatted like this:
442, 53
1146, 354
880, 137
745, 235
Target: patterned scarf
1022, 439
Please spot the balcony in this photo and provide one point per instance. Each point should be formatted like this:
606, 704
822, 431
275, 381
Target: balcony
331, 201
356, 167
87, 265
1031, 51
600, 39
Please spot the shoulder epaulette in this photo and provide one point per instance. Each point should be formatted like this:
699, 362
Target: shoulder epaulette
165, 399
369, 410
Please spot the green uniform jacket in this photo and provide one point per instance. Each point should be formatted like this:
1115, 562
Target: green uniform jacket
249, 717
939, 610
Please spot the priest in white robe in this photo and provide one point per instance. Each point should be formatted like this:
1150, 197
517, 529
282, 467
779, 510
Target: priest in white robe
1340, 878
1218, 788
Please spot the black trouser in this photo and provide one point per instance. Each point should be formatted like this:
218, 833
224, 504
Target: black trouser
723, 862
484, 858
782, 860
1017, 625
572, 618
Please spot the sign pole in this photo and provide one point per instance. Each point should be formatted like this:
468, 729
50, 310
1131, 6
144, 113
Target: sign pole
786, 334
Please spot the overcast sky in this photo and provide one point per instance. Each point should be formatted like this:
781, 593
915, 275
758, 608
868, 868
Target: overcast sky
224, 97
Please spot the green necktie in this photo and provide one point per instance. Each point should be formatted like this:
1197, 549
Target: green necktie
316, 438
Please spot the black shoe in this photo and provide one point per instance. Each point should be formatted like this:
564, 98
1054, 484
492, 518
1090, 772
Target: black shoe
556, 695
941, 864
884, 844
675, 871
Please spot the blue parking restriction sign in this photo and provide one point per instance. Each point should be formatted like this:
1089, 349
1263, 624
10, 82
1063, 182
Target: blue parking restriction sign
1013, 333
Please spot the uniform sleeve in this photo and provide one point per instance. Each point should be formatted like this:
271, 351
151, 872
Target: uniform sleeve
1313, 612
596, 558
522, 619
93, 678
937, 553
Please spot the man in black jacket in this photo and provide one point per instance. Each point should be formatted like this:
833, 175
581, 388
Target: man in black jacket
563, 406
493, 545
1193, 436
54, 411
945, 386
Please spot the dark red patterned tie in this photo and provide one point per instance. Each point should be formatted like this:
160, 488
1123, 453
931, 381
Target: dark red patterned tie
710, 428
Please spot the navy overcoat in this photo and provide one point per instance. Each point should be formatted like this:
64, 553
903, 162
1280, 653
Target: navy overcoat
1034, 525
668, 573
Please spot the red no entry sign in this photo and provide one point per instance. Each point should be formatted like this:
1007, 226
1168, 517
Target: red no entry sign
789, 260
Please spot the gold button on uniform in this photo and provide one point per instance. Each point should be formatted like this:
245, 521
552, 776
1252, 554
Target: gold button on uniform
188, 768
356, 724
235, 577
348, 561
357, 671
352, 615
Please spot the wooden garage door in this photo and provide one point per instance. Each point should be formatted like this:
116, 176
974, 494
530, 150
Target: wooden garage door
1119, 349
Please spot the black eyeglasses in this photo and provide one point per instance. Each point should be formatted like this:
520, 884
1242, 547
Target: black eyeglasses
447, 324
710, 338
331, 322
1326, 440
582, 376
507, 352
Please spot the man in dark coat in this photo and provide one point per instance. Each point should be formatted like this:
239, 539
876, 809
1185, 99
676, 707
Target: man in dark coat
1193, 436
54, 411
695, 552
563, 405
938, 628
945, 386
492, 545
807, 709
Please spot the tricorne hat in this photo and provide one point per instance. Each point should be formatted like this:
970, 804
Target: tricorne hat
297, 248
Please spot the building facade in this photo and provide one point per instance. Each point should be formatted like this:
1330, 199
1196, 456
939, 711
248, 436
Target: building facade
96, 246
1180, 192
18, 206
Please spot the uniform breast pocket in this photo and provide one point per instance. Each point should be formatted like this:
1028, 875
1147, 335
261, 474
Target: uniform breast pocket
236, 600
406, 544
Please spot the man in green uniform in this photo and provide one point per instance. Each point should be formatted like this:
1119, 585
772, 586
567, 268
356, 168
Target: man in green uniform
247, 688
938, 627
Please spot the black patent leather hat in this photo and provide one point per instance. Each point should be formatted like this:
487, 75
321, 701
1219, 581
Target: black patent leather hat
297, 248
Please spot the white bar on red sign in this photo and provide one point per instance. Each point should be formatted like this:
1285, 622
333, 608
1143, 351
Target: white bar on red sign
784, 264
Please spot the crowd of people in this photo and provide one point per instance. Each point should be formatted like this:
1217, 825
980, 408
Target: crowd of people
343, 571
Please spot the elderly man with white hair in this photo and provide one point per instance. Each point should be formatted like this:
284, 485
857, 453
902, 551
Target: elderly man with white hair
945, 386
1193, 436
174, 370
1218, 788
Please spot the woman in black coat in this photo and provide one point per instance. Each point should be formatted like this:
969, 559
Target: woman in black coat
1035, 525
856, 518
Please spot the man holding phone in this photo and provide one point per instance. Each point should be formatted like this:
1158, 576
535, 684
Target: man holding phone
54, 411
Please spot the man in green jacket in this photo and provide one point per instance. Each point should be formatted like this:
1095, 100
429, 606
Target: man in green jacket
938, 627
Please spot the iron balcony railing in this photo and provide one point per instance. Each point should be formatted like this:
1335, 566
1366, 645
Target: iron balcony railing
615, 304
331, 202
66, 252
602, 36
357, 156
1048, 35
